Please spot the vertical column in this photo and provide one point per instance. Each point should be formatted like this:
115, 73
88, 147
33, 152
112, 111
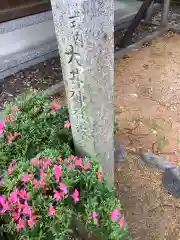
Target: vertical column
85, 35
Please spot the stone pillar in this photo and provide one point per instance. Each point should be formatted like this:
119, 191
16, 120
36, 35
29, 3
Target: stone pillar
85, 35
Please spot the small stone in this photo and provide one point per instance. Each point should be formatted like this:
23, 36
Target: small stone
155, 160
154, 131
133, 95
119, 153
171, 181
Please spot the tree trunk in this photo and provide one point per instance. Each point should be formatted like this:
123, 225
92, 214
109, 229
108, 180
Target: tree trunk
127, 39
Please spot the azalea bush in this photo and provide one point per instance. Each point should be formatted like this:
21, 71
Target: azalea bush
43, 197
47, 192
33, 124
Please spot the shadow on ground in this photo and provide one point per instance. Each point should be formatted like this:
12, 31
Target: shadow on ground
151, 213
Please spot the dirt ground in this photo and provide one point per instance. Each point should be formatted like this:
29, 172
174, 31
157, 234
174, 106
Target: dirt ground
40, 76
147, 99
150, 212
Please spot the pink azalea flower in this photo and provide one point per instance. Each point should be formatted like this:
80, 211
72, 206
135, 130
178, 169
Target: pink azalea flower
60, 159
13, 198
78, 162
52, 210
2, 123
42, 182
70, 165
16, 215
114, 215
4, 204
42, 175
46, 164
32, 220
11, 136
57, 195
75, 195
94, 215
57, 172
87, 165
27, 210
67, 124
15, 109
26, 178
11, 118
52, 110
2, 199
6, 119
20, 206
5, 207
35, 183
56, 105
121, 222
99, 175
21, 224
34, 161
16, 134
63, 187
72, 157
10, 169
23, 194
13, 161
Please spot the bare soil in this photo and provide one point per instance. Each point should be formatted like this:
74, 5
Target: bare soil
147, 99
39, 77
150, 212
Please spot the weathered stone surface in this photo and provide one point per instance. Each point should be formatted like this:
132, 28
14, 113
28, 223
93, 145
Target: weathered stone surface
84, 31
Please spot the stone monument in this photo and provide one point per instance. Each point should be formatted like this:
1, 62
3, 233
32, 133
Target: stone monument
85, 35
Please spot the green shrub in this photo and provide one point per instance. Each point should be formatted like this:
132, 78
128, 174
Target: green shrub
33, 124
47, 192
